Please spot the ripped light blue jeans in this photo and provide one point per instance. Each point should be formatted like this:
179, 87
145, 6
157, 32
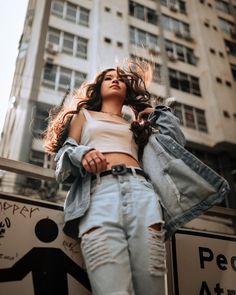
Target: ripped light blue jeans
123, 251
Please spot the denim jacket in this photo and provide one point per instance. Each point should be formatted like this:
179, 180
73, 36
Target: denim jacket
186, 186
161, 160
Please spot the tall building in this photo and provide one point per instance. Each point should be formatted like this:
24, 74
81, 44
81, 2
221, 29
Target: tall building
192, 44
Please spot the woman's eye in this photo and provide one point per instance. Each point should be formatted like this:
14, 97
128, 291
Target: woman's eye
107, 78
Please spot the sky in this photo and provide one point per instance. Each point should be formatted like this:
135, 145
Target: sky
12, 16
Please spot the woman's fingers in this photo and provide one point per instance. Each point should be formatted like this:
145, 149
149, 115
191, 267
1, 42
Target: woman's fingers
145, 112
94, 162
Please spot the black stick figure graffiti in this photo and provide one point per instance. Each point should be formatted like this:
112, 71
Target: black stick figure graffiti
49, 266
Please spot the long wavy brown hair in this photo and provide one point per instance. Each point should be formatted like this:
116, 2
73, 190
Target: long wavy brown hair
88, 96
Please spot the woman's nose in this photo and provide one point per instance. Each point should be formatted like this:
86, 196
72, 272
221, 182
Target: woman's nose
115, 80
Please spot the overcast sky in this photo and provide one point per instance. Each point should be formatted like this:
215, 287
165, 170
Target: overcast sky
12, 15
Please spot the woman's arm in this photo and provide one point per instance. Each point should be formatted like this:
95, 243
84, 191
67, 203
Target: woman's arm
76, 126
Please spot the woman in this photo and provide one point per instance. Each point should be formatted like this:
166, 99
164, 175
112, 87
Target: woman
111, 199
112, 205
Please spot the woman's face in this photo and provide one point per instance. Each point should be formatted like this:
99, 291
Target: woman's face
113, 86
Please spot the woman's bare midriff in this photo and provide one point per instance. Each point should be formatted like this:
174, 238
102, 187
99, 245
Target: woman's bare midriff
120, 158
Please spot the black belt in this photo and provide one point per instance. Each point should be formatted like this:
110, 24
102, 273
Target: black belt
121, 169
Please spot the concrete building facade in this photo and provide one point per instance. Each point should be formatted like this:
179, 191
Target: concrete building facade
192, 44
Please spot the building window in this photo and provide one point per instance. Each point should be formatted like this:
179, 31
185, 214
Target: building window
61, 78
230, 47
181, 29
179, 113
233, 70
218, 80
40, 120
71, 44
182, 52
64, 79
81, 49
49, 75
143, 38
156, 73
201, 120
68, 43
84, 16
175, 5
156, 68
70, 12
54, 36
226, 26
142, 12
191, 117
36, 158
184, 82
79, 78
222, 6
212, 51
57, 8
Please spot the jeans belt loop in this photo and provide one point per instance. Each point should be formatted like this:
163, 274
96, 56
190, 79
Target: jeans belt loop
133, 171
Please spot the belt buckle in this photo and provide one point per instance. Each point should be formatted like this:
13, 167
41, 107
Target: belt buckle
118, 169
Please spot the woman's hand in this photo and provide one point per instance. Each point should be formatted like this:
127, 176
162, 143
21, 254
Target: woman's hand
145, 112
94, 162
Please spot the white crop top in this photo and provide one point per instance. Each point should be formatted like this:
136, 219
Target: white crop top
108, 136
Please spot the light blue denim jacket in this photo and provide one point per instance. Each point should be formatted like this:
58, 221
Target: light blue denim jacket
186, 186
179, 194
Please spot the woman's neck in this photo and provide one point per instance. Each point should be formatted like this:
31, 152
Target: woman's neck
111, 108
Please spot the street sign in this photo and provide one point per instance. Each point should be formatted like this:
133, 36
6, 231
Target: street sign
204, 263
35, 256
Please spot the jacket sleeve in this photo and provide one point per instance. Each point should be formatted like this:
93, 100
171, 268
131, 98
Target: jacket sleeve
167, 123
68, 161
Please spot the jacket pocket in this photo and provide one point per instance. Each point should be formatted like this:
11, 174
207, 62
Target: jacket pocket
189, 187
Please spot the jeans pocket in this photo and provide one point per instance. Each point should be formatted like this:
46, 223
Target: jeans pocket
186, 182
147, 183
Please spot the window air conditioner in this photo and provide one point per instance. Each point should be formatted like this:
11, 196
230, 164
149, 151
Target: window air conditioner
52, 48
154, 50
174, 7
172, 56
187, 36
178, 33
